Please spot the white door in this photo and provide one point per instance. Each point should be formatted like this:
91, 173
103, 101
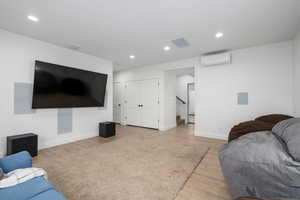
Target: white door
117, 101
132, 90
142, 107
150, 103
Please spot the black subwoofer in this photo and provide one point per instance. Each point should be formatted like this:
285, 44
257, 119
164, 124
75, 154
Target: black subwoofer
25, 142
107, 129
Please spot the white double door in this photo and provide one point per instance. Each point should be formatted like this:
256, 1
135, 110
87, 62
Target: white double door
142, 103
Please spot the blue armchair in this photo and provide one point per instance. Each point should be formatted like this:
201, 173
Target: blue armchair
35, 189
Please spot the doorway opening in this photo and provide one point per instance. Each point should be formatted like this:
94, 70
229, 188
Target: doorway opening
185, 94
191, 103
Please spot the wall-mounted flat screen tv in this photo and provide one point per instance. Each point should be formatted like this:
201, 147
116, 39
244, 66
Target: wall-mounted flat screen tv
57, 86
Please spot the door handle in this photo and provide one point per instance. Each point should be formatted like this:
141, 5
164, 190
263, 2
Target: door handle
119, 105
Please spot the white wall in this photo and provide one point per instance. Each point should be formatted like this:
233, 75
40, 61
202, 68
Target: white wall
265, 72
17, 56
192, 95
169, 100
181, 92
297, 75
159, 72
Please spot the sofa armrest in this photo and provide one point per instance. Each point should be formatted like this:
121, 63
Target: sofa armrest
248, 127
16, 161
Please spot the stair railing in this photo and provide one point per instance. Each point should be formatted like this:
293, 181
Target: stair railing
179, 99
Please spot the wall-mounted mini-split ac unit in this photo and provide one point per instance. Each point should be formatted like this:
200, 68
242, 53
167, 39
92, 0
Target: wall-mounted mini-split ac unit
216, 59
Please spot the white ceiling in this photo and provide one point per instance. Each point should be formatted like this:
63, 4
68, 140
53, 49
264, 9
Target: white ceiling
116, 28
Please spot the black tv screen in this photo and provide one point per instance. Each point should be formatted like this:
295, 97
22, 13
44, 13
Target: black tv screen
57, 86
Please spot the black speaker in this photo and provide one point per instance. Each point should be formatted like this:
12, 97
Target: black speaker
25, 142
107, 129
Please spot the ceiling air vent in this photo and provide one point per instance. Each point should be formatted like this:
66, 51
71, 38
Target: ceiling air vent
180, 43
216, 59
73, 47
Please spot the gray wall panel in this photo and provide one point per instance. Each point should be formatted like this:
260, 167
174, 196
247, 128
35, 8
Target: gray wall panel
23, 98
242, 98
64, 121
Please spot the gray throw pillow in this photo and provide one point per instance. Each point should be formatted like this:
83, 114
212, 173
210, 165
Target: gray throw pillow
289, 131
1, 174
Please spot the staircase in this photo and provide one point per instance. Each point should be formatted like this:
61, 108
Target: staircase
180, 121
191, 119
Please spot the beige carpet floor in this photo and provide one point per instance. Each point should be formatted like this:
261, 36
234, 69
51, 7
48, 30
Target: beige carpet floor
137, 164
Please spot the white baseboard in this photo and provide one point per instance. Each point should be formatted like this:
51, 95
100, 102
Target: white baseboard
64, 139
212, 135
72, 137
168, 127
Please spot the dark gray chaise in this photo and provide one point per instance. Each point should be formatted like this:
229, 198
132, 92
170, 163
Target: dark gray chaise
264, 164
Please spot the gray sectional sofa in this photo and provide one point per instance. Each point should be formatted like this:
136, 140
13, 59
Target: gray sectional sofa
264, 164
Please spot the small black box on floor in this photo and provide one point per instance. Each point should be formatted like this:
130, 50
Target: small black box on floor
25, 142
107, 129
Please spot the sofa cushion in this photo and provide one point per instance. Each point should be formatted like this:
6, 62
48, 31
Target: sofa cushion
273, 118
16, 161
1, 174
289, 131
49, 195
26, 190
258, 164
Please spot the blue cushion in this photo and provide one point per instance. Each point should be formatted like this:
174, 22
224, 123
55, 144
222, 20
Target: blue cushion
26, 190
49, 195
16, 161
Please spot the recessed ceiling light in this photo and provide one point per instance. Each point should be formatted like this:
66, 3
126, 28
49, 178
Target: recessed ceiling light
33, 18
132, 56
219, 35
167, 48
